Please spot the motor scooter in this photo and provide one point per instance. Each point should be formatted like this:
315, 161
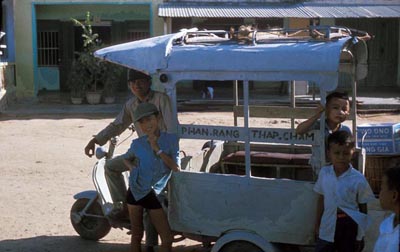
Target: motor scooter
90, 212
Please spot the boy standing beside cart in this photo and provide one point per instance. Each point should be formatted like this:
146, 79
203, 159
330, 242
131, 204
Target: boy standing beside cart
151, 158
343, 196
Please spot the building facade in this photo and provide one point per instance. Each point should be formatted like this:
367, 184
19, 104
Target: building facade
41, 38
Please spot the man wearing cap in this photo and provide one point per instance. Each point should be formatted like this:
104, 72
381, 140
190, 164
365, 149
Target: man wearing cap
139, 84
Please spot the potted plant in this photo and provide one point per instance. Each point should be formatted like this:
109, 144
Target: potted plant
77, 81
112, 78
91, 67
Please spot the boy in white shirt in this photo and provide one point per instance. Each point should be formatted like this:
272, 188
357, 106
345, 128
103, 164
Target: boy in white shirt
389, 197
343, 195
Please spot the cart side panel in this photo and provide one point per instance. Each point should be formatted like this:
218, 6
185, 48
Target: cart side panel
211, 204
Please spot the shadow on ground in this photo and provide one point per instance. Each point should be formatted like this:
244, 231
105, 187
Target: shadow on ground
59, 244
75, 244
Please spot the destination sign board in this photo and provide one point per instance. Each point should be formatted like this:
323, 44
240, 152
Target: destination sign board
269, 135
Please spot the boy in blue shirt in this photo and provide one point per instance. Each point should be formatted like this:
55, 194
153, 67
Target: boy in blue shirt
151, 159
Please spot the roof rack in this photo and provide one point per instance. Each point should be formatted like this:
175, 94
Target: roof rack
252, 36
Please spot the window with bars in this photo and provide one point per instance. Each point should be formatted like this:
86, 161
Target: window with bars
48, 48
137, 35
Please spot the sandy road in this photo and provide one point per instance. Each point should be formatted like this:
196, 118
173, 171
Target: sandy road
42, 166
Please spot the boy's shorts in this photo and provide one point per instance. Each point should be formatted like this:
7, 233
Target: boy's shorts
345, 237
149, 201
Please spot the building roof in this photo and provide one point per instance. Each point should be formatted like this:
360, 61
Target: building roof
300, 10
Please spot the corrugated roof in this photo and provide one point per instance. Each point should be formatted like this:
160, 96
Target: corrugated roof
353, 11
311, 10
225, 10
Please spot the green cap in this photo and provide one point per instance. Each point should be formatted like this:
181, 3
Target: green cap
143, 110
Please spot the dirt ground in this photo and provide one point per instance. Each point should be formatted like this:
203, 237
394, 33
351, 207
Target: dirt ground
43, 165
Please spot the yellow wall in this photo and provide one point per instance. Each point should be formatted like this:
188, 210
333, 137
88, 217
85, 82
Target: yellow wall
23, 48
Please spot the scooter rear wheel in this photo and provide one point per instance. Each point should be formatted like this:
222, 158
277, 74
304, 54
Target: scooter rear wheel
89, 227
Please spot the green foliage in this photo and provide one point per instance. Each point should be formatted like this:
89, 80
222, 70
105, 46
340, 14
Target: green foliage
90, 39
88, 73
92, 69
114, 74
77, 80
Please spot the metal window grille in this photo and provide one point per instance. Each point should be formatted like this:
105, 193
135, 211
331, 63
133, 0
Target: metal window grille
48, 48
137, 35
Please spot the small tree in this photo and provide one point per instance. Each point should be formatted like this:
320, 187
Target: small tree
91, 65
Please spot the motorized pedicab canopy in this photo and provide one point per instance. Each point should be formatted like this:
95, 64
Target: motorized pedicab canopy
274, 55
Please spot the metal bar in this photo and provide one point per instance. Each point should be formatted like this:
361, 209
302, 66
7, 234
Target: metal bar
55, 48
173, 95
278, 172
40, 51
165, 26
246, 126
94, 216
292, 100
354, 101
89, 204
322, 130
47, 48
52, 48
236, 98
276, 112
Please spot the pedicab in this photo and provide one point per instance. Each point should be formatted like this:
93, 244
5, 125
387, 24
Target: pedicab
251, 187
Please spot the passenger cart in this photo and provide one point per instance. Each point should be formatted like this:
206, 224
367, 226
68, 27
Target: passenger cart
251, 187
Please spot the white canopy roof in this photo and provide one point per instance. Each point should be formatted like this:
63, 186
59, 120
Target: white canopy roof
279, 60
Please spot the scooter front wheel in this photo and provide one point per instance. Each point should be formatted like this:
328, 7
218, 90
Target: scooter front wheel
90, 225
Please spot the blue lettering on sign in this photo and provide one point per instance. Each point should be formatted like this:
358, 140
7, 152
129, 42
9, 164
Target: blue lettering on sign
263, 134
280, 136
382, 131
256, 134
379, 147
376, 131
191, 131
225, 133
206, 132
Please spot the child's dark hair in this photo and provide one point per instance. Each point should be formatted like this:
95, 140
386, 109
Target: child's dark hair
341, 137
393, 178
340, 95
